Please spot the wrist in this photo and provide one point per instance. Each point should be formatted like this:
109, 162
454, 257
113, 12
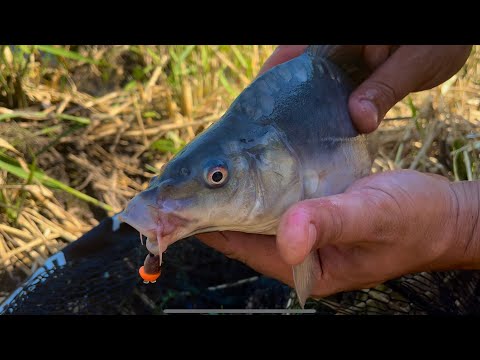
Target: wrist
465, 221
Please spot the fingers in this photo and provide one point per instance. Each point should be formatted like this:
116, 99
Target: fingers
261, 254
257, 251
343, 270
408, 69
282, 54
438, 177
387, 85
313, 224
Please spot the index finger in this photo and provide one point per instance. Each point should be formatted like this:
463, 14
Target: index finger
257, 251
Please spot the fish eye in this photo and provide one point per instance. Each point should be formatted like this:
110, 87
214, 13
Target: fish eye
216, 176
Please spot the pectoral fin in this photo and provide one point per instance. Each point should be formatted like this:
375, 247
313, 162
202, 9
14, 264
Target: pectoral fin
304, 277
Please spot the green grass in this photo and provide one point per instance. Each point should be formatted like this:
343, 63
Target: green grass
206, 68
61, 52
15, 168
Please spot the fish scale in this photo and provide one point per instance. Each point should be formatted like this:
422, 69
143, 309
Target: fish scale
287, 137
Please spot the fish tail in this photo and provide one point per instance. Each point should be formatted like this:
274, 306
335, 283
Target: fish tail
349, 58
304, 277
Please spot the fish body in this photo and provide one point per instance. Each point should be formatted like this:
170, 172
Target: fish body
286, 138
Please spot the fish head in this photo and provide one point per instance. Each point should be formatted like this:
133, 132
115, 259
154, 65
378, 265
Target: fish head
222, 180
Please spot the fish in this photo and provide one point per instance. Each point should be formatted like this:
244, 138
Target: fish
287, 137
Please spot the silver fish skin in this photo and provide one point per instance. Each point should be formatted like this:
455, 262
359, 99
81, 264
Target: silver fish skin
286, 138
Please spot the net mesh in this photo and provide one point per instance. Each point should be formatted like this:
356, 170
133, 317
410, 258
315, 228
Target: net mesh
104, 280
453, 292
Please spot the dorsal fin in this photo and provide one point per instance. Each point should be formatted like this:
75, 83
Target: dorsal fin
349, 58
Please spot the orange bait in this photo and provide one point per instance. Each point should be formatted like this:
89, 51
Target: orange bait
150, 271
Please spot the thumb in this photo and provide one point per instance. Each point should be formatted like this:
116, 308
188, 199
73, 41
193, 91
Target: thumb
312, 224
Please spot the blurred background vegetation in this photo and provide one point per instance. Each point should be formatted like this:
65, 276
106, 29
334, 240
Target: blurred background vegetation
84, 128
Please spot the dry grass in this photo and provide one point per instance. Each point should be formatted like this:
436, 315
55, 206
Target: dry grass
83, 129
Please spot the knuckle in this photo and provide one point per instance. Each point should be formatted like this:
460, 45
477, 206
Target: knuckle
382, 92
330, 222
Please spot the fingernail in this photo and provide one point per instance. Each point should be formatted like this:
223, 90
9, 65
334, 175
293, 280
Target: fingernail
312, 236
370, 112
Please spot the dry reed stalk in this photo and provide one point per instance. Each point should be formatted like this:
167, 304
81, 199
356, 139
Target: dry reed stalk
432, 131
153, 79
187, 103
36, 232
65, 225
15, 243
61, 108
245, 81
58, 228
16, 232
139, 118
166, 127
3, 247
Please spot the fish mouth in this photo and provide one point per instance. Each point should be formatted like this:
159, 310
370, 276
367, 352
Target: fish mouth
162, 226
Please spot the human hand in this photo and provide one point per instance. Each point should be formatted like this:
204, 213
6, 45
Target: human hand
384, 226
396, 72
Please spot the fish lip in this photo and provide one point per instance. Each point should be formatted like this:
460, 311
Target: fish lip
161, 221
148, 232
166, 229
